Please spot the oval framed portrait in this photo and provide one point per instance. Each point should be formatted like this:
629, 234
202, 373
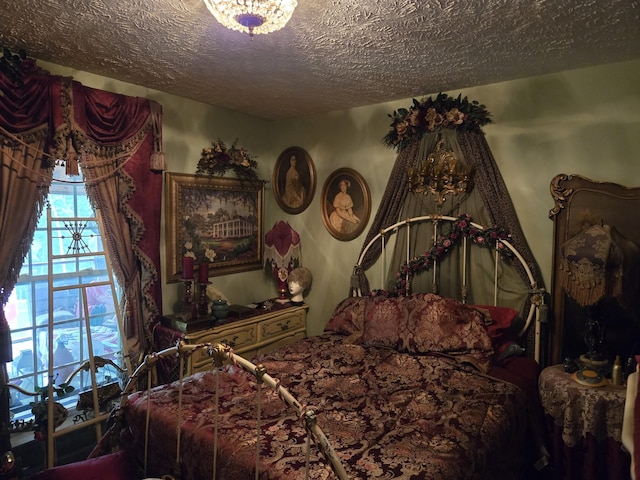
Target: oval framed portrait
294, 180
346, 204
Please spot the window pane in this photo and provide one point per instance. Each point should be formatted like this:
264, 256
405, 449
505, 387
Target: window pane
82, 295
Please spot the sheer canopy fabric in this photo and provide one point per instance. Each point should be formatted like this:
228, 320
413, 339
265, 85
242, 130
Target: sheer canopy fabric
488, 203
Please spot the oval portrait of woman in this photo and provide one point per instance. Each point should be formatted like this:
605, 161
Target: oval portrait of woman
294, 180
346, 204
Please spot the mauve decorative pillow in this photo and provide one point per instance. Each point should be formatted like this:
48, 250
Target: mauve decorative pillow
428, 323
348, 316
445, 325
385, 319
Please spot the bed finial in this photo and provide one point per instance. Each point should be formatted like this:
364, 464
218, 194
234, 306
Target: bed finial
218, 353
354, 285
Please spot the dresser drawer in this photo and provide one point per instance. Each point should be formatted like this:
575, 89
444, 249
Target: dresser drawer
237, 339
281, 341
282, 325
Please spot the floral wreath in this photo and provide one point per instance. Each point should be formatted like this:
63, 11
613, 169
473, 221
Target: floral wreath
462, 227
434, 114
218, 159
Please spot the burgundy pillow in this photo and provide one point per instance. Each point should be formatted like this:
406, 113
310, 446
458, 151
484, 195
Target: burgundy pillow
383, 318
445, 325
114, 466
428, 323
348, 316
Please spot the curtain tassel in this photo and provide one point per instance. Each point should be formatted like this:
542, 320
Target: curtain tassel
71, 164
158, 162
354, 285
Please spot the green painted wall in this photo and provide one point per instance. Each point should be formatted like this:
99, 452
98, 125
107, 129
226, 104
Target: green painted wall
583, 122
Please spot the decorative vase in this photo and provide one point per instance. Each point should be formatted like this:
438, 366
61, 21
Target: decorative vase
220, 309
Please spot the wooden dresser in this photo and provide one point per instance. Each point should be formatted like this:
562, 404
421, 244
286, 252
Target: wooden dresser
249, 336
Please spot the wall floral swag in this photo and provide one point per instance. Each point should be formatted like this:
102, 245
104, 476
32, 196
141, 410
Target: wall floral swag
430, 115
218, 159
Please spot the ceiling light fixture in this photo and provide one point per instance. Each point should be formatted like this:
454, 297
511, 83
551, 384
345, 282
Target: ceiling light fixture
252, 16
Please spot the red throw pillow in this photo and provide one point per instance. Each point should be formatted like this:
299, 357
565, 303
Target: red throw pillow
498, 322
114, 466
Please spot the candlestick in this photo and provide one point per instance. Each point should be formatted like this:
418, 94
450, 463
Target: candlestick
187, 295
204, 302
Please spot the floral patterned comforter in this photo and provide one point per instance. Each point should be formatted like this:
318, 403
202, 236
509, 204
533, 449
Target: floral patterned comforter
386, 414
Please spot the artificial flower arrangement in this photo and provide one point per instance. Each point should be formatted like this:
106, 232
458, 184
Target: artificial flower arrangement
218, 159
443, 112
209, 253
462, 227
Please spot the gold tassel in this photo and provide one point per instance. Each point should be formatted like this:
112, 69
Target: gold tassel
71, 163
158, 162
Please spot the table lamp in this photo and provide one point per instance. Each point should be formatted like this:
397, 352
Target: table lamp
282, 253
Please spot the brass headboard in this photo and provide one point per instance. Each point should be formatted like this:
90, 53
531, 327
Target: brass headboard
580, 201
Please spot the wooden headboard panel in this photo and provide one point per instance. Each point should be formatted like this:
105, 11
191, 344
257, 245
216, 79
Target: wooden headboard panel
580, 201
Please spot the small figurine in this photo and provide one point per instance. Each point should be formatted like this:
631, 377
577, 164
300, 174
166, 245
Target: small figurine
299, 280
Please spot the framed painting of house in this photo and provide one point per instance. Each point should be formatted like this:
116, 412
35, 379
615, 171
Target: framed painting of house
345, 203
217, 221
294, 180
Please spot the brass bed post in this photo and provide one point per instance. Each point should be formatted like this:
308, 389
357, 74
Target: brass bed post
434, 286
465, 290
383, 251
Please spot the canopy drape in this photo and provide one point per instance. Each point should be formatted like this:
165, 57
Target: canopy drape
493, 205
488, 203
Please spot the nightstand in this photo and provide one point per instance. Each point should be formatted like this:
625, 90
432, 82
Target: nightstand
585, 425
249, 336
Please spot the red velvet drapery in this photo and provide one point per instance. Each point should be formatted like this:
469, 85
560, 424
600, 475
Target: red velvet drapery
117, 130
108, 125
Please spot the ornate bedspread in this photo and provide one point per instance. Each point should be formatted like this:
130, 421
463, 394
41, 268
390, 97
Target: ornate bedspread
386, 414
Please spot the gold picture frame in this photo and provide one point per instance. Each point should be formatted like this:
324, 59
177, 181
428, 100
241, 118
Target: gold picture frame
294, 180
346, 204
216, 213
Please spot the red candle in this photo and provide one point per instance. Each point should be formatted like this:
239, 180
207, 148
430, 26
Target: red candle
187, 268
203, 273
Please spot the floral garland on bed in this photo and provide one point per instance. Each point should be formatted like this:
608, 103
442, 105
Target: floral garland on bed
443, 112
462, 227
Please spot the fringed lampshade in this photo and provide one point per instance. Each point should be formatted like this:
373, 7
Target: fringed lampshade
591, 269
282, 252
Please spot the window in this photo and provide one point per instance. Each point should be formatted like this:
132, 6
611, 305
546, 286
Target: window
76, 260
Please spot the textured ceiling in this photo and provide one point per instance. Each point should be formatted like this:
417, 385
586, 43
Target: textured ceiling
333, 54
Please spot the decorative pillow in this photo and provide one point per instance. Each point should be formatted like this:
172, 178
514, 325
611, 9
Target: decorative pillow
384, 318
428, 323
348, 316
498, 321
114, 466
445, 325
